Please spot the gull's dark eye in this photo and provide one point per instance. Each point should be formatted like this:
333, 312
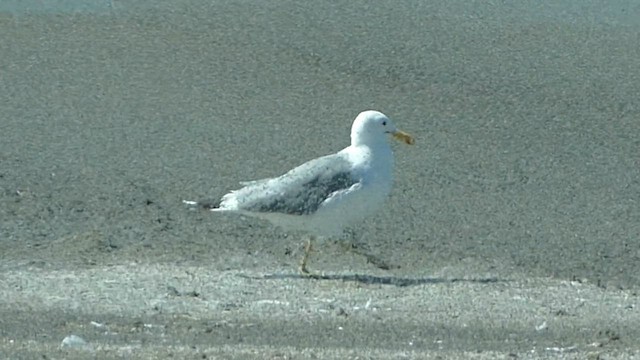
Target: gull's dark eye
384, 123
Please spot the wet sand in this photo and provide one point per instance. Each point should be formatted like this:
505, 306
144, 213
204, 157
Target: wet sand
513, 229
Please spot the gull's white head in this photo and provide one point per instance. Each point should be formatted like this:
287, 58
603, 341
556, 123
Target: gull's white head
372, 127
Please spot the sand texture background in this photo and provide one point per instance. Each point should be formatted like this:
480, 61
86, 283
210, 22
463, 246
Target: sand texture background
513, 229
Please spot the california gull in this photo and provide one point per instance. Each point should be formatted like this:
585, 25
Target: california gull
323, 196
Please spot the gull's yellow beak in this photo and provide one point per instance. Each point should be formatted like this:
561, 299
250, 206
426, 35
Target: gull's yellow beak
403, 136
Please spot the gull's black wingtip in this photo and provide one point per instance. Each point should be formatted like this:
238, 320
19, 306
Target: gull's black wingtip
203, 204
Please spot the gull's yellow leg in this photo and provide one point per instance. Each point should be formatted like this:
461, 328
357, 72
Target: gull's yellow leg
360, 248
308, 247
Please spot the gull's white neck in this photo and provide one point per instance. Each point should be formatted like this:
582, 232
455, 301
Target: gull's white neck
378, 157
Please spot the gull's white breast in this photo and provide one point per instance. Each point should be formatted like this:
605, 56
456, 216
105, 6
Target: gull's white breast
374, 166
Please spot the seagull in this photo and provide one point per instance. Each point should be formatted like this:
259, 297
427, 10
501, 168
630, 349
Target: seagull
324, 195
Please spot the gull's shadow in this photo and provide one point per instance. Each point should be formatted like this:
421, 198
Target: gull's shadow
371, 279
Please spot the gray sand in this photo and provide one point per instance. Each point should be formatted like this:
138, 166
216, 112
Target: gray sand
513, 230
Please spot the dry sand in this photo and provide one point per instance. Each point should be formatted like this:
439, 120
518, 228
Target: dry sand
513, 229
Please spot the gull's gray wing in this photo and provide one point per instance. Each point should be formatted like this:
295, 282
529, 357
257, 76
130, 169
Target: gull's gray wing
300, 191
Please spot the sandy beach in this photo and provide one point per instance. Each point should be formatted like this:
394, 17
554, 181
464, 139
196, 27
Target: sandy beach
512, 231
